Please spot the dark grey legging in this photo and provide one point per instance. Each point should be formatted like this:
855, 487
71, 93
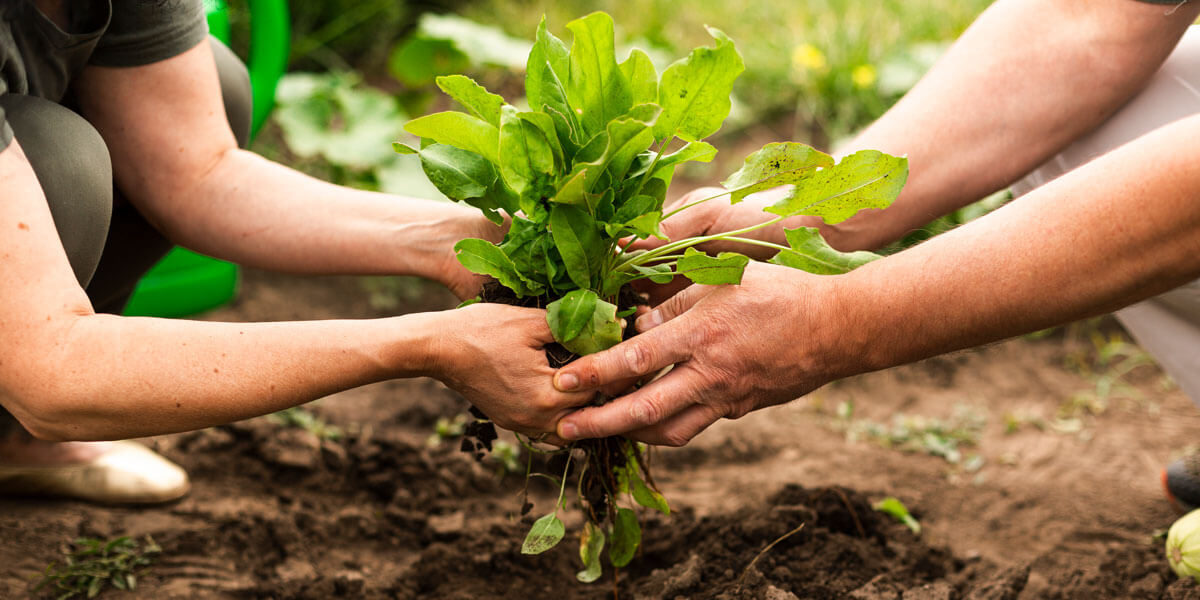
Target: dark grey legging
109, 244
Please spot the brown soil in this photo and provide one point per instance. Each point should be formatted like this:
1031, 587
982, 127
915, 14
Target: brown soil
378, 513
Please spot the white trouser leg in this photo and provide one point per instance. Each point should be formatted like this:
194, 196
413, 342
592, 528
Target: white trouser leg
1168, 326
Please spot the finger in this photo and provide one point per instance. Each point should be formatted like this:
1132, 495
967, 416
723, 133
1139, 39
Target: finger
673, 307
679, 429
638, 356
657, 402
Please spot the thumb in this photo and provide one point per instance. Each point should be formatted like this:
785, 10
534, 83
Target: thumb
673, 307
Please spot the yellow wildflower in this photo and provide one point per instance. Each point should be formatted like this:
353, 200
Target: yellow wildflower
863, 76
807, 57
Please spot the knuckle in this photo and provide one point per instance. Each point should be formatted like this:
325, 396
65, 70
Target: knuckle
639, 358
646, 410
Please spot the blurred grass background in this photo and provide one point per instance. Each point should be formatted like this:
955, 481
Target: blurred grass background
816, 71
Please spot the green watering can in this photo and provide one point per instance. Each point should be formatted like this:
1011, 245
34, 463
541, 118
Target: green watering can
183, 282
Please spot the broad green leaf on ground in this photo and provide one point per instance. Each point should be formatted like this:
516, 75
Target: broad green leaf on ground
865, 179
333, 116
810, 253
775, 165
894, 507
485, 258
694, 92
591, 543
568, 315
460, 130
601, 333
483, 44
418, 60
576, 235
595, 84
626, 537
472, 96
546, 533
639, 71
726, 267
526, 160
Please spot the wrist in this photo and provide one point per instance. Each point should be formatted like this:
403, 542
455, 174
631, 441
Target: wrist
417, 348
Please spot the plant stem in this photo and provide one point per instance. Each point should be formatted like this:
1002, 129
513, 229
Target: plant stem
689, 242
650, 171
691, 204
562, 487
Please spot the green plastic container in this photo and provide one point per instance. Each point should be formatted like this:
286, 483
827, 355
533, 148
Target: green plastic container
185, 283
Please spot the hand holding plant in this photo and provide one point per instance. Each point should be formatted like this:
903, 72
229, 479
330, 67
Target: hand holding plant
583, 174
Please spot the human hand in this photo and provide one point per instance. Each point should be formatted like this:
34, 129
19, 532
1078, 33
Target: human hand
735, 348
451, 273
494, 355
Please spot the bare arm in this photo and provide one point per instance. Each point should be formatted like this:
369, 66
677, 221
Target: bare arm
68, 373
1117, 230
175, 157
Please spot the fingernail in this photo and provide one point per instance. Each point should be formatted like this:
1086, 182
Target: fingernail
566, 382
567, 431
649, 320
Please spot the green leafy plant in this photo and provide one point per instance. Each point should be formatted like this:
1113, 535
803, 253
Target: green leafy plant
94, 564
895, 508
300, 418
582, 175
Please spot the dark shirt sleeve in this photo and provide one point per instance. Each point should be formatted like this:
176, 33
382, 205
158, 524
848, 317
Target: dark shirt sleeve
146, 31
6, 132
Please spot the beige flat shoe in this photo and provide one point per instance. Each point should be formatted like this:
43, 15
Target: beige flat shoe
128, 473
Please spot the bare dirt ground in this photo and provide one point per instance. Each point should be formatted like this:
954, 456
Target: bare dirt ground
1056, 499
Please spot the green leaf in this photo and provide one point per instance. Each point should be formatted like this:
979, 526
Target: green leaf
894, 507
457, 173
459, 130
568, 315
639, 71
627, 138
474, 97
404, 148
591, 543
865, 179
774, 165
545, 534
694, 92
483, 44
601, 333
527, 160
626, 537
643, 226
692, 151
545, 124
416, 61
645, 496
810, 253
545, 71
594, 83
660, 273
578, 240
485, 258
701, 268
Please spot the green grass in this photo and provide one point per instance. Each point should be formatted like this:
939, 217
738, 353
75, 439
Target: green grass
833, 64
91, 565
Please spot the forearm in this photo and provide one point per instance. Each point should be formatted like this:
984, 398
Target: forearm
107, 377
1113, 232
1027, 78
259, 213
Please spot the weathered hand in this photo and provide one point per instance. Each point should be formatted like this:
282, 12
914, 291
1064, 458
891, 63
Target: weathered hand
494, 356
734, 349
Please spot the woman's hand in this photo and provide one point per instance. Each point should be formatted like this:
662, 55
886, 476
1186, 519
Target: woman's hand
494, 355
